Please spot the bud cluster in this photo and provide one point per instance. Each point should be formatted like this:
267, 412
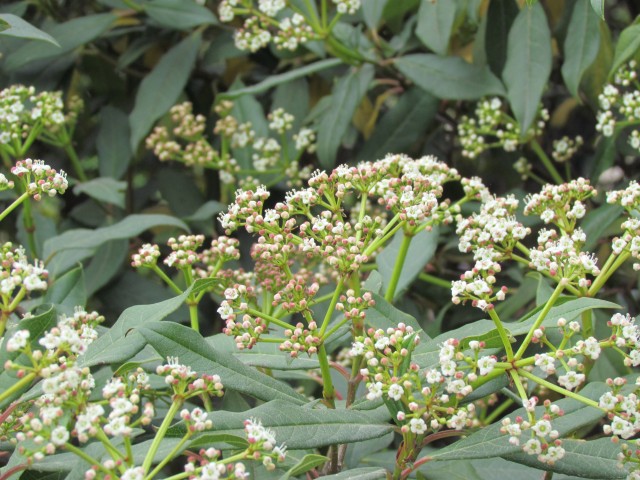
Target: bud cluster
39, 178
629, 199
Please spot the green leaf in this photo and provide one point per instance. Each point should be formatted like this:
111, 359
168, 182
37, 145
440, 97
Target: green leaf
264, 355
598, 221
14, 26
72, 246
172, 339
300, 427
490, 442
435, 21
160, 89
421, 250
179, 15
114, 152
384, 315
402, 126
628, 44
68, 291
109, 348
275, 80
307, 463
104, 189
36, 326
372, 12
478, 469
584, 459
365, 473
500, 17
207, 211
105, 263
345, 98
580, 45
598, 7
449, 77
70, 35
528, 64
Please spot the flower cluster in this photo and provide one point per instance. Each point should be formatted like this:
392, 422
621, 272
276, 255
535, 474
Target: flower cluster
25, 115
565, 148
629, 242
267, 23
186, 141
491, 234
39, 178
620, 104
543, 440
494, 128
420, 401
19, 277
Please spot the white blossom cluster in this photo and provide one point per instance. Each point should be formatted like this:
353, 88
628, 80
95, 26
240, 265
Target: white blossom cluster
565, 148
39, 178
620, 104
493, 128
18, 276
629, 242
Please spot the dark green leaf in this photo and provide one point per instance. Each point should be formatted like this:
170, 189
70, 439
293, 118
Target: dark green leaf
68, 291
478, 469
528, 64
401, 126
70, 35
580, 45
345, 98
161, 88
598, 7
110, 348
628, 44
275, 80
179, 15
114, 151
105, 263
365, 473
500, 17
304, 465
435, 21
596, 223
104, 189
293, 423
449, 77
172, 339
584, 459
372, 12
206, 211
421, 250
72, 246
384, 315
14, 26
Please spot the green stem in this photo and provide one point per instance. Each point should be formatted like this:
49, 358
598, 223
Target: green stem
16, 387
165, 278
433, 280
332, 307
605, 275
75, 161
397, 268
90, 460
162, 431
558, 389
29, 226
546, 161
177, 449
113, 451
193, 315
328, 391
268, 318
502, 332
587, 324
488, 420
14, 205
543, 314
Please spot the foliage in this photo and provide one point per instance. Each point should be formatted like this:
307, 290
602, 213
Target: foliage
341, 238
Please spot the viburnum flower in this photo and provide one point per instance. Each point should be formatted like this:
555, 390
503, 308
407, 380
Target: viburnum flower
39, 178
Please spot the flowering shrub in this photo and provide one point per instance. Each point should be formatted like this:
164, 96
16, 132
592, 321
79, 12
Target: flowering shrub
332, 238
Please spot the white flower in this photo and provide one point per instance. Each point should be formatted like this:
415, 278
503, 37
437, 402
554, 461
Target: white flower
571, 379
486, 364
395, 391
18, 341
417, 426
134, 473
59, 436
375, 390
